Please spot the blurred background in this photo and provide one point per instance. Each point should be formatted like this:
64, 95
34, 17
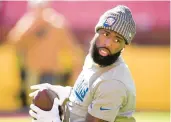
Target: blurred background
44, 41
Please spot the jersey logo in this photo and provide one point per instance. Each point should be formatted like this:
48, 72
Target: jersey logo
81, 89
102, 109
80, 95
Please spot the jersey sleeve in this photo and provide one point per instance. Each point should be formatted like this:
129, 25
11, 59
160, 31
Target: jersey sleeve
108, 98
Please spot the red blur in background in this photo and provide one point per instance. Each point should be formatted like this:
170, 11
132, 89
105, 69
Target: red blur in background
152, 18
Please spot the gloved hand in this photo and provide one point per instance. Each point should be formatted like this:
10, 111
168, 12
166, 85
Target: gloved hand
46, 116
61, 91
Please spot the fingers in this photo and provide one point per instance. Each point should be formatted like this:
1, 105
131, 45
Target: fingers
40, 86
33, 93
35, 108
33, 114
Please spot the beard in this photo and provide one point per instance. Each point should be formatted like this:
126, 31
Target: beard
103, 61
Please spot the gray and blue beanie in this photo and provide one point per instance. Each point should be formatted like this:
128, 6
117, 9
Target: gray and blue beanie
120, 20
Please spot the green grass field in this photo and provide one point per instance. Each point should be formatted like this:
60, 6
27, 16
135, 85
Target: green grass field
140, 117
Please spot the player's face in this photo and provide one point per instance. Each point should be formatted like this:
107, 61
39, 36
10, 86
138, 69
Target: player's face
106, 47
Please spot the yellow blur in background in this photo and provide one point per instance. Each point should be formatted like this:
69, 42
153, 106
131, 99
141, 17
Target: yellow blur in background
10, 82
149, 66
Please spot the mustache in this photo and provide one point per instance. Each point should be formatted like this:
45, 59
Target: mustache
106, 49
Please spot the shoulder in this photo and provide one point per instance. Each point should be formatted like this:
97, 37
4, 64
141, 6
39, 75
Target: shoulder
120, 76
116, 77
119, 72
109, 87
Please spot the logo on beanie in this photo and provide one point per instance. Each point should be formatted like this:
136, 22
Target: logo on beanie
109, 21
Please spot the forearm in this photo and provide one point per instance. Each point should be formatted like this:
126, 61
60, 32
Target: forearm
90, 118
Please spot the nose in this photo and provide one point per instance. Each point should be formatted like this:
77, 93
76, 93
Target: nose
107, 42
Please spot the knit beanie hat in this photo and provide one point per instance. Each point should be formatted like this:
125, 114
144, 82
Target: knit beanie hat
120, 20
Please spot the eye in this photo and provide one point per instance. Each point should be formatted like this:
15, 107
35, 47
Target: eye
106, 34
117, 40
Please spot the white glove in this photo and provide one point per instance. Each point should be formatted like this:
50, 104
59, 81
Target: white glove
46, 116
61, 91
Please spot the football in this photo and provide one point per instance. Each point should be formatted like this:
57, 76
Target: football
45, 99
